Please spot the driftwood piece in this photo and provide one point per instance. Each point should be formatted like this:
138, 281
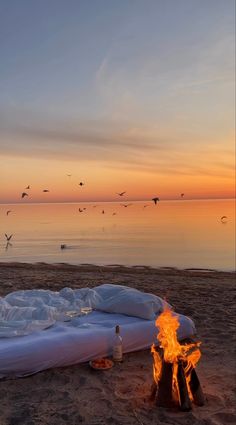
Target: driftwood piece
185, 402
164, 394
196, 390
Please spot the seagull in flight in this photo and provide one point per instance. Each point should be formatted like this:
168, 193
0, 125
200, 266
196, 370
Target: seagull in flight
223, 219
121, 193
69, 175
182, 195
81, 183
80, 210
155, 200
8, 212
45, 190
8, 237
125, 205
24, 194
28, 187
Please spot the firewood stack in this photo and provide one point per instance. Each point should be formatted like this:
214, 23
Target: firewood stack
178, 385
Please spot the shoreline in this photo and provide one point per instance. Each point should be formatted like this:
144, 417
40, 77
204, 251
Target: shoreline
22, 264
78, 395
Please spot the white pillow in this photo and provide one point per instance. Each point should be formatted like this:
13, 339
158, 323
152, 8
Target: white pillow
133, 303
108, 290
87, 297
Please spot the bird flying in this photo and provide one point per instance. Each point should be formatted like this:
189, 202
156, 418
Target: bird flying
8, 237
8, 212
24, 194
45, 190
121, 193
223, 219
125, 205
182, 195
28, 187
81, 183
155, 200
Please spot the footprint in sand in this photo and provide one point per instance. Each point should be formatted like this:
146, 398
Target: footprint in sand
124, 393
214, 400
95, 394
101, 407
225, 418
133, 391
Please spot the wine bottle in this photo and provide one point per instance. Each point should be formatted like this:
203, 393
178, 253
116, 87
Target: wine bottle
117, 346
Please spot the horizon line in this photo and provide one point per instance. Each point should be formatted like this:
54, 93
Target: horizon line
117, 201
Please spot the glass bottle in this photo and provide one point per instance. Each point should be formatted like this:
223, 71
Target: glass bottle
117, 349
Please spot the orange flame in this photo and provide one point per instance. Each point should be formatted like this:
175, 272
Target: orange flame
157, 364
173, 351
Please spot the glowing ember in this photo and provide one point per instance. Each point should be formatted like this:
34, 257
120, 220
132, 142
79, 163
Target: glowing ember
179, 360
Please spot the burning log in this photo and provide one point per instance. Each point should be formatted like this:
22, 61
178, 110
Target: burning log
169, 392
196, 390
164, 395
185, 403
176, 381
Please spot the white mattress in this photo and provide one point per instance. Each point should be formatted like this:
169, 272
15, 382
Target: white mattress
79, 340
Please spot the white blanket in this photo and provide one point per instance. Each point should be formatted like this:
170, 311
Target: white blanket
38, 333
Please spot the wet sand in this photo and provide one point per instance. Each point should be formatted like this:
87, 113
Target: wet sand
121, 395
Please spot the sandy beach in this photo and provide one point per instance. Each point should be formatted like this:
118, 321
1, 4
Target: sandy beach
121, 395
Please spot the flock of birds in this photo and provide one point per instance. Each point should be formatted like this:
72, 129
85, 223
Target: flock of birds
27, 188
46, 190
155, 199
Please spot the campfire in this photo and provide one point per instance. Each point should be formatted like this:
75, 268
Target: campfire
175, 380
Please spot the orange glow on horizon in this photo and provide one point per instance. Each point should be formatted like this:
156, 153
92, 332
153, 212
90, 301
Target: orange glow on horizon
103, 181
164, 188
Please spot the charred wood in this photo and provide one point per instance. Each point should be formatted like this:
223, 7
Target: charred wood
185, 402
196, 390
164, 394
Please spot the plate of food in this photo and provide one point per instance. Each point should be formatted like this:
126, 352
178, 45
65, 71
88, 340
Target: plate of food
101, 364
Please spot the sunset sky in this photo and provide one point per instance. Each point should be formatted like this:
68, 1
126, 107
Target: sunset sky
127, 95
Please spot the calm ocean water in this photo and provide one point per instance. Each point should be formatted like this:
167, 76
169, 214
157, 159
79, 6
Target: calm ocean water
182, 234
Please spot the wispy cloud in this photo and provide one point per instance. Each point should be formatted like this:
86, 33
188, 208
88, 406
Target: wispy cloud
114, 145
152, 83
29, 132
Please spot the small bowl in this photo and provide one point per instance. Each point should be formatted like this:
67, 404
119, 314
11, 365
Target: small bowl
94, 364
